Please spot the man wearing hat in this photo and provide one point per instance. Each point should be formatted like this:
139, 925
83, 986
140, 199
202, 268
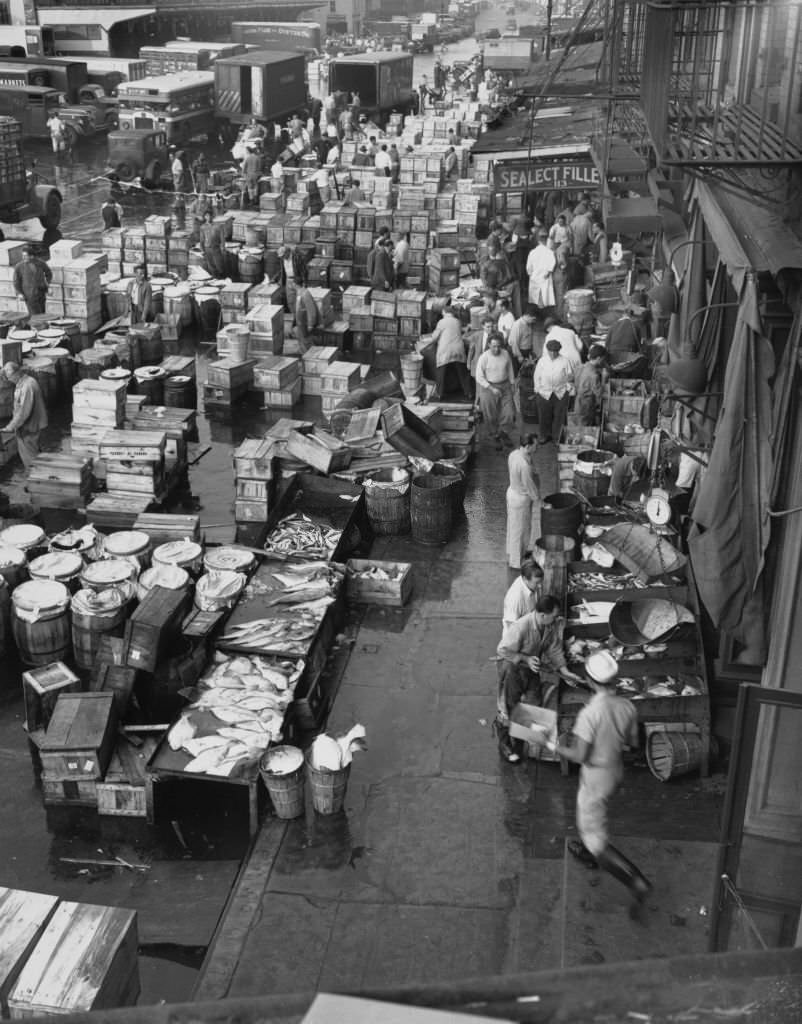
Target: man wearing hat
525, 341
603, 728
30, 414
589, 384
553, 380
624, 336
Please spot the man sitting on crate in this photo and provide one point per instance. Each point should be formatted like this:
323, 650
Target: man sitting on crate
532, 643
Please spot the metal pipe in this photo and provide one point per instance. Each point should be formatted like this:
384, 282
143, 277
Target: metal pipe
690, 241
704, 309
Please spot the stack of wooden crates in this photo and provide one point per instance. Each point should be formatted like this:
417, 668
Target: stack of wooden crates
255, 474
75, 291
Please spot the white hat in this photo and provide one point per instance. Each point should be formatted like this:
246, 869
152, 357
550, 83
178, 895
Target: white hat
602, 667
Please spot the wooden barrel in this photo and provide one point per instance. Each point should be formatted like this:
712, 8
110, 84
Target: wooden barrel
150, 383
411, 372
108, 572
95, 615
579, 301
170, 576
6, 399
63, 566
561, 515
65, 367
5, 616
231, 558
180, 392
387, 500
27, 537
71, 330
592, 471
147, 347
255, 235
431, 509
455, 481
116, 300
133, 545
13, 565
251, 265
178, 303
91, 362
116, 374
186, 554
40, 622
43, 371
553, 553
286, 788
670, 754
239, 343
207, 301
232, 259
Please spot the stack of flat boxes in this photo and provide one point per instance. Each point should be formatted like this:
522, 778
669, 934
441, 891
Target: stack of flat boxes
279, 379
134, 461
356, 310
385, 323
255, 471
10, 256
266, 325
157, 230
234, 301
112, 241
443, 271
76, 291
466, 214
336, 381
133, 250
257, 295
178, 246
410, 307
315, 361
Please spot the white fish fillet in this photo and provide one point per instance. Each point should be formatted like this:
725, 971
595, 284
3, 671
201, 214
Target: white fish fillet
182, 731
231, 715
201, 744
208, 759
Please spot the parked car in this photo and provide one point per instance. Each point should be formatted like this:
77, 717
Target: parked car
138, 153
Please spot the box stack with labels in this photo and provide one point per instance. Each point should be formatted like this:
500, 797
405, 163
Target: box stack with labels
266, 325
315, 361
75, 291
385, 324
157, 230
97, 406
279, 379
112, 241
178, 246
234, 302
59, 480
337, 379
255, 473
466, 213
410, 306
357, 312
134, 461
10, 256
227, 382
76, 748
443, 271
133, 250
179, 427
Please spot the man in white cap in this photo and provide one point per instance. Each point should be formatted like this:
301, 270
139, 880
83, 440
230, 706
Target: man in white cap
30, 414
603, 728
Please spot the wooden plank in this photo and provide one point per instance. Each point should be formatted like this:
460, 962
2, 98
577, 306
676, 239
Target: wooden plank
23, 917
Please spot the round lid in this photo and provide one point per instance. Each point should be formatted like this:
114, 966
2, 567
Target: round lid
50, 334
21, 334
115, 373
233, 246
90, 602
108, 570
40, 594
177, 551
252, 250
177, 291
233, 559
179, 379
65, 324
207, 293
11, 556
162, 282
171, 576
74, 540
149, 372
56, 564
126, 542
23, 536
602, 667
38, 342
55, 352
39, 362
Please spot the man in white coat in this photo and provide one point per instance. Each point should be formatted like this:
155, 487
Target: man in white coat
540, 266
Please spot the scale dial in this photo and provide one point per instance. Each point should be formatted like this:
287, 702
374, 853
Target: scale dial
658, 508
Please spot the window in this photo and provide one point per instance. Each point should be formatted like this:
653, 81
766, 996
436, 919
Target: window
5, 12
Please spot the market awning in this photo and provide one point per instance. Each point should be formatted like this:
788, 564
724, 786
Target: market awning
747, 234
101, 16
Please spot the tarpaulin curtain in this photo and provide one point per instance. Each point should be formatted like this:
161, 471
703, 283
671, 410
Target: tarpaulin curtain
693, 295
731, 525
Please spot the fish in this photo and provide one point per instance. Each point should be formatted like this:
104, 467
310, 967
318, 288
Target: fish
207, 760
201, 744
182, 731
230, 715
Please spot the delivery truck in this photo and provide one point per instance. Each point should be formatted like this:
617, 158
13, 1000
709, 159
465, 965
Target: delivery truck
382, 80
108, 72
268, 85
22, 198
289, 36
186, 55
509, 55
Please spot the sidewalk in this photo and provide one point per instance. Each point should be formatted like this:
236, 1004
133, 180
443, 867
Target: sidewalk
447, 863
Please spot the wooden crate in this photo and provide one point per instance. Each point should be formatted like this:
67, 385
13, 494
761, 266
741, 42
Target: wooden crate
355, 296
41, 688
162, 527
320, 450
411, 303
340, 378
393, 593
80, 737
276, 372
153, 627
254, 459
266, 319
23, 918
382, 304
252, 510
118, 680
317, 358
230, 374
69, 792
124, 791
133, 446
108, 512
283, 398
213, 394
86, 959
235, 296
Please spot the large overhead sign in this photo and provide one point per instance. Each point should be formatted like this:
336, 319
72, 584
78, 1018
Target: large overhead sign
543, 176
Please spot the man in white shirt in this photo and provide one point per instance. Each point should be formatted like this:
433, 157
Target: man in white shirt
401, 260
382, 161
552, 382
524, 593
571, 346
495, 379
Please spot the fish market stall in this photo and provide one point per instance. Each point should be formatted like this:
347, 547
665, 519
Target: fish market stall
633, 596
236, 711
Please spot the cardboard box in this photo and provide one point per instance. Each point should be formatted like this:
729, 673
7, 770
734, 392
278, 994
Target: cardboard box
524, 716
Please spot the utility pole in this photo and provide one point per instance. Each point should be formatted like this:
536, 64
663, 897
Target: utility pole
548, 28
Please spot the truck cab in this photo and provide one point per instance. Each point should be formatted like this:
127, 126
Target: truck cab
138, 153
105, 108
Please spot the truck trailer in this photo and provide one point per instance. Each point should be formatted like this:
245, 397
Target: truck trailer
268, 85
289, 36
382, 80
